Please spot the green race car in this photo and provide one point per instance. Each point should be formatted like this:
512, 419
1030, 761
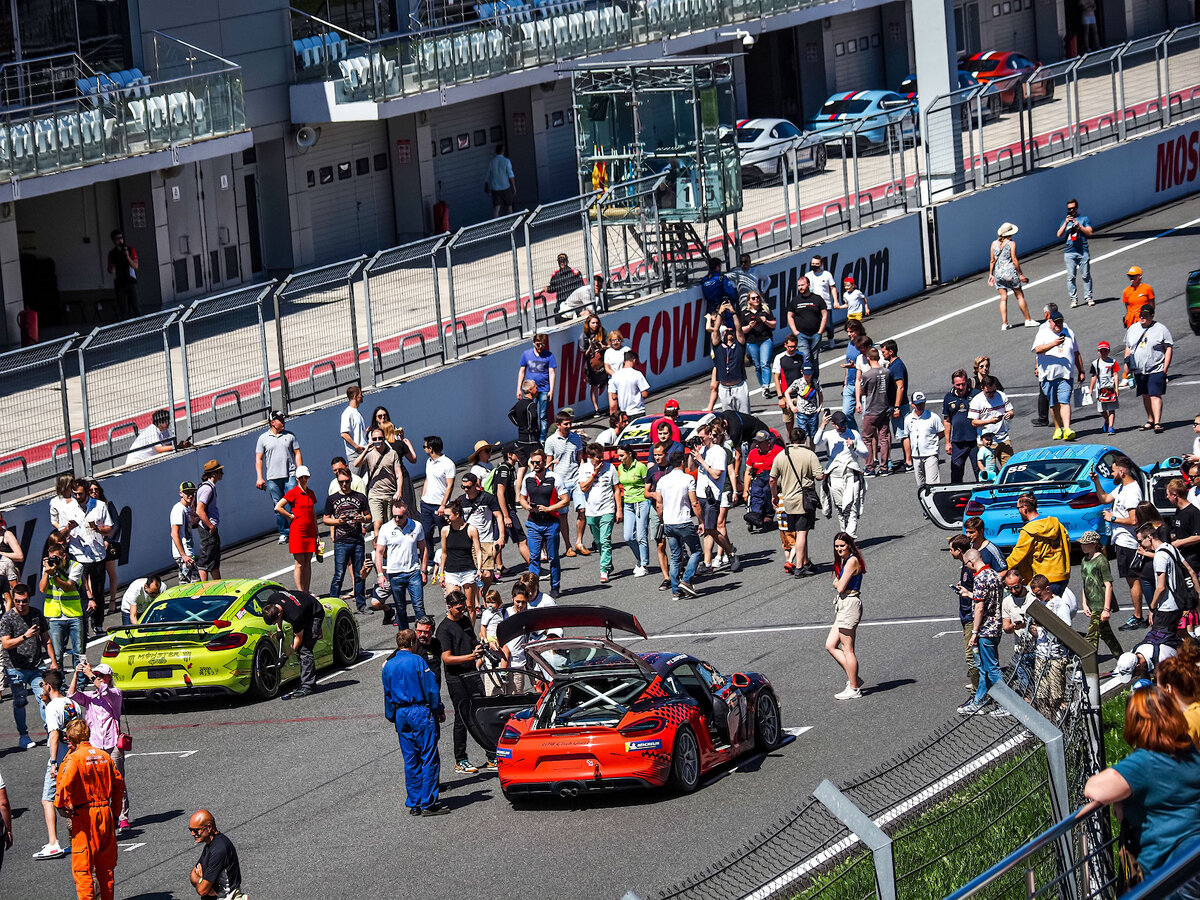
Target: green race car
209, 638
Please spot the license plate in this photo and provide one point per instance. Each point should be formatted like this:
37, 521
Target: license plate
160, 672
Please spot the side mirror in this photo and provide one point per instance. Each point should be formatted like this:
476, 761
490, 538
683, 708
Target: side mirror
740, 680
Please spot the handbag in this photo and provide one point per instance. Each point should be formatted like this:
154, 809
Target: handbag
124, 738
809, 498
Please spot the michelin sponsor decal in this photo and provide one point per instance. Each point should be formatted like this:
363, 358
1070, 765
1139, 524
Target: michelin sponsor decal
634, 746
504, 753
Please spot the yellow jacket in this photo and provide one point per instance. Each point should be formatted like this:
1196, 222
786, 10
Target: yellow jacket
1043, 548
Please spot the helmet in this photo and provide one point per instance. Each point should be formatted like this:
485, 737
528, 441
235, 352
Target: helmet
1134, 270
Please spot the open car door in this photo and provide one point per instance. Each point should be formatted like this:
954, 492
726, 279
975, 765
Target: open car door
1155, 488
512, 690
945, 504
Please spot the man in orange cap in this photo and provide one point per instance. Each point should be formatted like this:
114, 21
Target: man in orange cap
1137, 295
89, 793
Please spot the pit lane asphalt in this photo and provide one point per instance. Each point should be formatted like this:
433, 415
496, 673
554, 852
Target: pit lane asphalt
312, 793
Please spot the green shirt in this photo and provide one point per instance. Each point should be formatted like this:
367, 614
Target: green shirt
1096, 573
633, 482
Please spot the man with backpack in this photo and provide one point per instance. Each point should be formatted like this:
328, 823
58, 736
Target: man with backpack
760, 514
1174, 585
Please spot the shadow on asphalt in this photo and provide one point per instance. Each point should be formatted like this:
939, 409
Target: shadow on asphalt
885, 686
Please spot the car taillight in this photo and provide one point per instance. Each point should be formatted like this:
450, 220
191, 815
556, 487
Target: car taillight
111, 649
228, 641
645, 726
1085, 501
509, 735
973, 508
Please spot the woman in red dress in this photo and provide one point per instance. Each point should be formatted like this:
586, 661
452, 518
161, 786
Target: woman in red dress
302, 535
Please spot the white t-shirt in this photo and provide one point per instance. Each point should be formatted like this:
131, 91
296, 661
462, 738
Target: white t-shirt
1164, 562
1125, 499
923, 432
135, 594
400, 544
856, 302
481, 471
438, 475
708, 487
627, 384
86, 543
601, 501
1012, 610
823, 284
489, 620
676, 505
352, 423
1154, 654
143, 445
607, 438
59, 712
541, 600
182, 516
58, 511
1057, 362
615, 359
982, 408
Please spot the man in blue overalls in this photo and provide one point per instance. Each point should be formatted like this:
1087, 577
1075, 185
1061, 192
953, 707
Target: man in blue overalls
411, 701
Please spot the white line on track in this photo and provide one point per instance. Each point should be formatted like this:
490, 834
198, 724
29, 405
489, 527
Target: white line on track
782, 628
375, 654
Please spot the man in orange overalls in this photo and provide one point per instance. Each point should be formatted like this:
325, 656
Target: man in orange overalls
90, 790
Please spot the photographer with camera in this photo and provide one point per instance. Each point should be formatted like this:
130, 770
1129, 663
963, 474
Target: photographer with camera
1075, 230
123, 266
63, 607
461, 652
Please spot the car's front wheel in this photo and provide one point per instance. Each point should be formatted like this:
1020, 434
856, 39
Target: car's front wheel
685, 761
264, 676
766, 721
345, 640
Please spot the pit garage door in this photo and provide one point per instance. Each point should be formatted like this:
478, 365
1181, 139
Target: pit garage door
464, 139
557, 176
858, 51
349, 191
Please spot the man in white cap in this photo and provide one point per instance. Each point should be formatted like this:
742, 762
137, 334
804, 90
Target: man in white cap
1141, 661
102, 706
924, 428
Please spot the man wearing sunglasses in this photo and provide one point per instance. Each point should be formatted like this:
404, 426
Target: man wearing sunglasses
218, 873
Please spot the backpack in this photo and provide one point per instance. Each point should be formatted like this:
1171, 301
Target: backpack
1184, 587
489, 481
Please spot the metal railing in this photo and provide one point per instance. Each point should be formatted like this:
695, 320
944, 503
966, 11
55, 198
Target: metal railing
1007, 127
189, 95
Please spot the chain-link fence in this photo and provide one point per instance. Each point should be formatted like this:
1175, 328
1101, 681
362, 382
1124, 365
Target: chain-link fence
483, 268
551, 230
35, 444
226, 363
125, 376
403, 297
316, 333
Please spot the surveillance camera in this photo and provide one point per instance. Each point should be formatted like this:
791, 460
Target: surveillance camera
747, 41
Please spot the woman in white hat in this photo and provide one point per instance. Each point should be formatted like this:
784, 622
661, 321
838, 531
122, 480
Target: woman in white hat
1005, 274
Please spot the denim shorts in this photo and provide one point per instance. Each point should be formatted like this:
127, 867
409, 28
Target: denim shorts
1058, 390
50, 782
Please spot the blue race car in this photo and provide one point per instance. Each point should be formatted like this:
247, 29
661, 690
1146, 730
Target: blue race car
1061, 479
843, 113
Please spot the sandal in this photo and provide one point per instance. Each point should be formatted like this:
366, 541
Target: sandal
1158, 429
1147, 427
570, 551
582, 550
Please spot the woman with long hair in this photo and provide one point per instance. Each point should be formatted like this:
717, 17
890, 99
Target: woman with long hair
112, 547
848, 570
1179, 676
983, 368
1004, 274
59, 502
299, 506
394, 435
459, 557
1156, 788
592, 344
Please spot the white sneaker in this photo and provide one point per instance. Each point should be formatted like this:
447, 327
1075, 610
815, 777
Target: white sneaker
848, 694
720, 561
603, 577
1074, 303
283, 539
1030, 323
639, 571
50, 851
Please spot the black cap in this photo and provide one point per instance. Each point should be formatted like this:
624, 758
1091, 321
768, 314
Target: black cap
509, 447
187, 487
838, 418
277, 414
1056, 315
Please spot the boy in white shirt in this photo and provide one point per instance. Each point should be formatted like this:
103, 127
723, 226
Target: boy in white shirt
854, 300
925, 429
1104, 386
598, 480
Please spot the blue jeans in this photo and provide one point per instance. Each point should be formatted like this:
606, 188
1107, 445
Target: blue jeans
760, 356
22, 679
430, 520
544, 536
679, 538
543, 402
62, 630
848, 403
809, 423
987, 659
277, 487
410, 583
809, 346
637, 518
1079, 263
354, 553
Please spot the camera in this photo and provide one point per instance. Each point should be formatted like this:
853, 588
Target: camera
693, 442
495, 657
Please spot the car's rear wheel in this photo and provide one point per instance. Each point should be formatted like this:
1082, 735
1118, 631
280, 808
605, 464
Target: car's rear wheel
264, 676
766, 722
685, 761
345, 640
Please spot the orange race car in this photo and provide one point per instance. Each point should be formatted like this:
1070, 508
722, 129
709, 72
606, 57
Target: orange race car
595, 716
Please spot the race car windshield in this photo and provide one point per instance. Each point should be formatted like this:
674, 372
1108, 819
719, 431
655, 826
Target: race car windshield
845, 107
981, 65
599, 701
1042, 470
571, 658
186, 609
748, 135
